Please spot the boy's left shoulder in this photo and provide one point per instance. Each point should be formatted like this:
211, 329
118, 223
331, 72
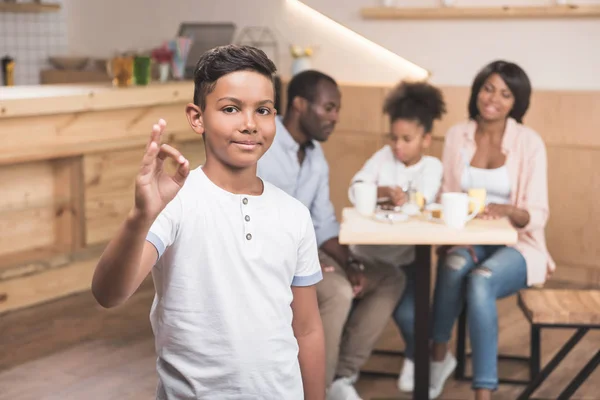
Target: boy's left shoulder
285, 202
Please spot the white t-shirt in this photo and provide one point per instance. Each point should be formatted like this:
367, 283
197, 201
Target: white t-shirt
495, 181
221, 315
384, 169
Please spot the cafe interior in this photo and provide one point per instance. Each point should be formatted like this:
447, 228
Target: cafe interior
83, 82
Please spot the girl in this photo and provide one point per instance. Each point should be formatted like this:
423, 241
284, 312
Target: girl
398, 167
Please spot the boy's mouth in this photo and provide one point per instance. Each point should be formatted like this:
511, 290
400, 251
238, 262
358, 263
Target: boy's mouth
246, 144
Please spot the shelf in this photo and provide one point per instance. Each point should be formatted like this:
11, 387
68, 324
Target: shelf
568, 11
28, 7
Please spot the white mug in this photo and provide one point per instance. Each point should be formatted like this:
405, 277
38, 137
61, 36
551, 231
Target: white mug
455, 209
365, 197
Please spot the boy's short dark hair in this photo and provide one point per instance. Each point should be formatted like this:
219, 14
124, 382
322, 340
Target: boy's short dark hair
515, 78
415, 101
224, 60
304, 84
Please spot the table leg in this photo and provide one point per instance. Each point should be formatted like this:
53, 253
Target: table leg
422, 332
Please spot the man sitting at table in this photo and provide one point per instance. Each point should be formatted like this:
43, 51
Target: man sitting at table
296, 163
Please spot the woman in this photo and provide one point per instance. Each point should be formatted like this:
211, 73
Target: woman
495, 152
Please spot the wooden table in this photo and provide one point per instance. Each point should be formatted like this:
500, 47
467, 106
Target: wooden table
418, 231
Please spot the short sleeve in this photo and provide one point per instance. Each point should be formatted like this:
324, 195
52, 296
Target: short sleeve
308, 268
164, 229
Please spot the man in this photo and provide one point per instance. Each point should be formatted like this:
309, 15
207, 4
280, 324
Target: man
296, 163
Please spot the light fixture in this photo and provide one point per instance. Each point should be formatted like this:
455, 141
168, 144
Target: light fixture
381, 53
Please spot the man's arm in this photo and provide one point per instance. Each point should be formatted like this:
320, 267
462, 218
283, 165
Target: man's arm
308, 330
337, 251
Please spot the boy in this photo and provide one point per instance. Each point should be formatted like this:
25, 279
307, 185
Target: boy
234, 259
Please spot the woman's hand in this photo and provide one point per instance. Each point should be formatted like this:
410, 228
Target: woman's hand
495, 211
517, 216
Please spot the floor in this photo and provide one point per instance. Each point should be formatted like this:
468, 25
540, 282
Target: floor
73, 349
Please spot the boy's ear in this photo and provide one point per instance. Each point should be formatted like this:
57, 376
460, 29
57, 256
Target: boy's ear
195, 118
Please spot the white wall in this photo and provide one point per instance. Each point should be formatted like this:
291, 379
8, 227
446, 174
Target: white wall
561, 54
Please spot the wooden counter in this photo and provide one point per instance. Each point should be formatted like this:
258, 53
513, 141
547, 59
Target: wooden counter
68, 159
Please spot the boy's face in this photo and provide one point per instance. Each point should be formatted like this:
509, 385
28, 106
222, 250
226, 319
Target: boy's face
408, 140
238, 120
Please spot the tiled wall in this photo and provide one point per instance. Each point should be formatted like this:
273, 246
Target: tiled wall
30, 39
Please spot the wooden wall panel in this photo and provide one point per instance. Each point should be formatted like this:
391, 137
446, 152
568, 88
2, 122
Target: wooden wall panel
456, 99
574, 188
109, 182
27, 207
69, 224
361, 109
566, 118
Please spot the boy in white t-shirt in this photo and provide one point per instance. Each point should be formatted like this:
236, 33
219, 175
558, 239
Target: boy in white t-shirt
234, 259
397, 168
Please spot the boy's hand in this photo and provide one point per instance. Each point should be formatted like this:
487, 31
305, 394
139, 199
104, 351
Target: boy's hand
154, 188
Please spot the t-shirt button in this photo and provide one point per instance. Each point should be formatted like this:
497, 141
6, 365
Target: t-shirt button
247, 218
248, 236
245, 200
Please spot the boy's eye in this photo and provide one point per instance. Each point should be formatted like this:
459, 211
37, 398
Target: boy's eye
264, 111
229, 110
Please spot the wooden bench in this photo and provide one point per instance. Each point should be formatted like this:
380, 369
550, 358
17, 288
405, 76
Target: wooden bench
561, 308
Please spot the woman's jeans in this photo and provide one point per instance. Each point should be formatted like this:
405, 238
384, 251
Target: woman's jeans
500, 272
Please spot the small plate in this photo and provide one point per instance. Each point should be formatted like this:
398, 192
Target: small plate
390, 217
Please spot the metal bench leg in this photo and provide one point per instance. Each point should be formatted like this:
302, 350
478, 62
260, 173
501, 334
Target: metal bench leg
580, 378
536, 351
551, 366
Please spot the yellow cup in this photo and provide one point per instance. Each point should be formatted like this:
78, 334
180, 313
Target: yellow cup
479, 194
420, 200
120, 70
